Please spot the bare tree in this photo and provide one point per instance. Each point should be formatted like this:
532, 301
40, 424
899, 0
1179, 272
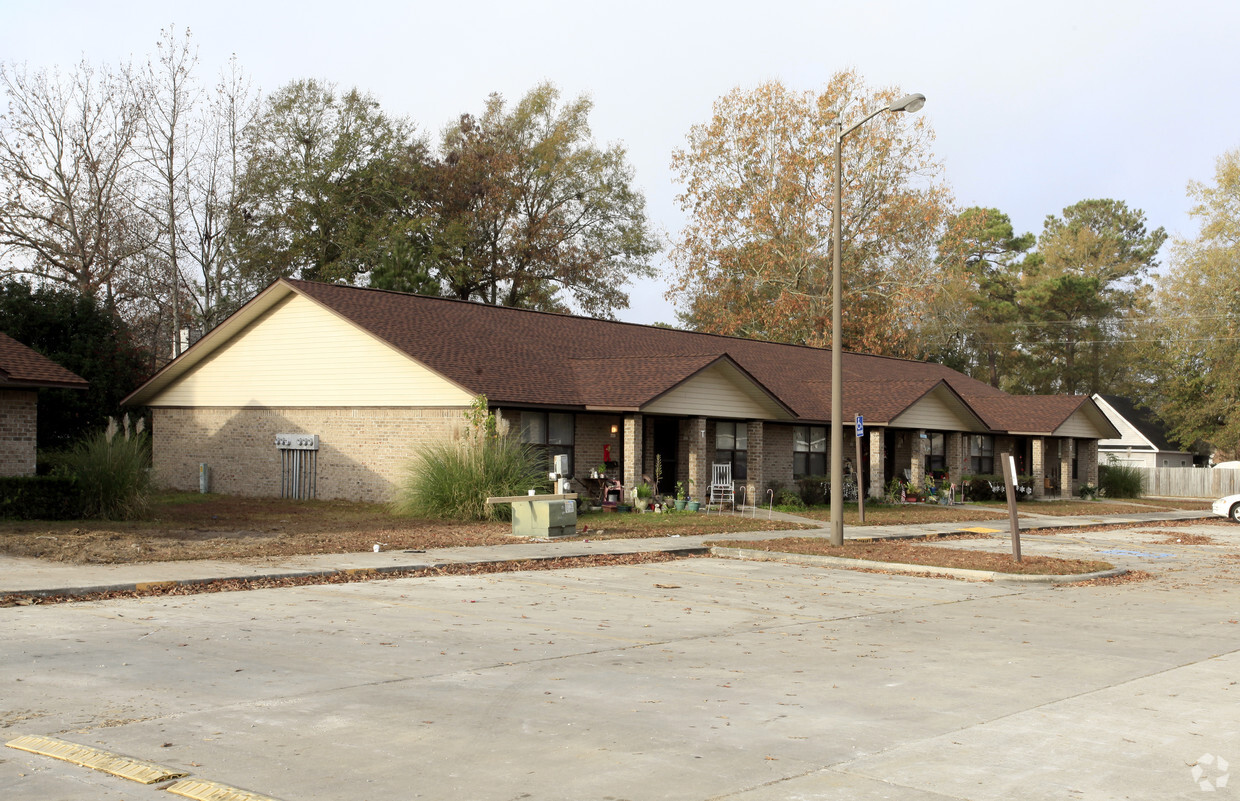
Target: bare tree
170, 96
213, 190
66, 148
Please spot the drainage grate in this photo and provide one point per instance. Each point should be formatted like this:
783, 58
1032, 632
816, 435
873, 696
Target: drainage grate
299, 461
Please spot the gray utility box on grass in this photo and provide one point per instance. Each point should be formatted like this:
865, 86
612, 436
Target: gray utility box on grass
542, 516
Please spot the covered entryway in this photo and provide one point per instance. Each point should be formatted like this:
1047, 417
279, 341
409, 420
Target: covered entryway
666, 435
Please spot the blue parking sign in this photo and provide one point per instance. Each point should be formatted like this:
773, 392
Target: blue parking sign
860, 426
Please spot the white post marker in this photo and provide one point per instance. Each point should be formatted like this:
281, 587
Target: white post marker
860, 479
1009, 479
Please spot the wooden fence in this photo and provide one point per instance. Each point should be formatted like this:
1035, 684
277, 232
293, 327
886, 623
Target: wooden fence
1190, 482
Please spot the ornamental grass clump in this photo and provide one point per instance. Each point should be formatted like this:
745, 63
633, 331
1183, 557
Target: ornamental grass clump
111, 470
1117, 480
452, 480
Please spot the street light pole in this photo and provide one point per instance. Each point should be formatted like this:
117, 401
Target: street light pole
907, 103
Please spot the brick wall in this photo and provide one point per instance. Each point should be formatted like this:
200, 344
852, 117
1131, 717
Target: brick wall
755, 484
591, 432
776, 457
18, 431
362, 452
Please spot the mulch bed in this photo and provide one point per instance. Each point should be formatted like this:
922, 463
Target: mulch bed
910, 552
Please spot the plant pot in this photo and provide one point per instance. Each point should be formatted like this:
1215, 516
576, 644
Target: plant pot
680, 505
624, 508
693, 506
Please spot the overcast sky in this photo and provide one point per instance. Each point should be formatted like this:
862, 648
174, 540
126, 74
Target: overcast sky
1036, 105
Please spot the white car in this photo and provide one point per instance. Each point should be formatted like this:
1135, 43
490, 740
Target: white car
1228, 507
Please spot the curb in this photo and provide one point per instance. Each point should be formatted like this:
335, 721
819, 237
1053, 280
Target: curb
142, 586
897, 567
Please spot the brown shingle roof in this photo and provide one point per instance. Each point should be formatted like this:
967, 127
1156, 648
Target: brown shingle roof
522, 356
1028, 414
22, 367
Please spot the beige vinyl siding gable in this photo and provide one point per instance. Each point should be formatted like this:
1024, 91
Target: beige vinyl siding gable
299, 354
1081, 425
1129, 437
718, 391
938, 410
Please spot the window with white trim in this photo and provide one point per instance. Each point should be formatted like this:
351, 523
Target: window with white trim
732, 447
982, 454
551, 433
809, 451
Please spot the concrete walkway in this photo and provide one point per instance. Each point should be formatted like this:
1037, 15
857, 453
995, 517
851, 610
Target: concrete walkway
24, 576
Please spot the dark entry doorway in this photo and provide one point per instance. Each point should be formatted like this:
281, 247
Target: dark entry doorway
666, 449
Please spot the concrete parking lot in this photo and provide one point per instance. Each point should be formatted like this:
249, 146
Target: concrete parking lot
696, 679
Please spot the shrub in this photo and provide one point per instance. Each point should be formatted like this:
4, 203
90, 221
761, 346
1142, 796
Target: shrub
452, 480
789, 498
813, 490
991, 488
1120, 480
111, 469
982, 487
39, 498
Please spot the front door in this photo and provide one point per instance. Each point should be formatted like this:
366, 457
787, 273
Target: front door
666, 450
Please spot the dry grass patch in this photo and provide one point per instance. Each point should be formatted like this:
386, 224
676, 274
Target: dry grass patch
184, 526
188, 526
1068, 508
1156, 524
882, 514
914, 552
613, 525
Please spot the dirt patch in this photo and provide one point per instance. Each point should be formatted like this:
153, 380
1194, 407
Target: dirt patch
913, 552
467, 569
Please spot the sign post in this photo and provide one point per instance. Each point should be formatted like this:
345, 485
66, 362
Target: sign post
860, 479
1009, 481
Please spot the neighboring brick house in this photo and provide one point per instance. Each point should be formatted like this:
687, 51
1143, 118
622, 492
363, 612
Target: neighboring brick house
374, 374
22, 373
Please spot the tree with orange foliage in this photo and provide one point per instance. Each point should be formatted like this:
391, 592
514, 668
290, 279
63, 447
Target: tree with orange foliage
754, 259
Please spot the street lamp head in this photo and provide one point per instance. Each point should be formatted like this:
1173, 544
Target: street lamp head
908, 103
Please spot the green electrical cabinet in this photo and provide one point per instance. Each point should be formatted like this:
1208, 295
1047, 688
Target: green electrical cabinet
542, 516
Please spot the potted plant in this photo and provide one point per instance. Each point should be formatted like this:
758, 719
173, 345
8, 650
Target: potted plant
642, 496
682, 496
